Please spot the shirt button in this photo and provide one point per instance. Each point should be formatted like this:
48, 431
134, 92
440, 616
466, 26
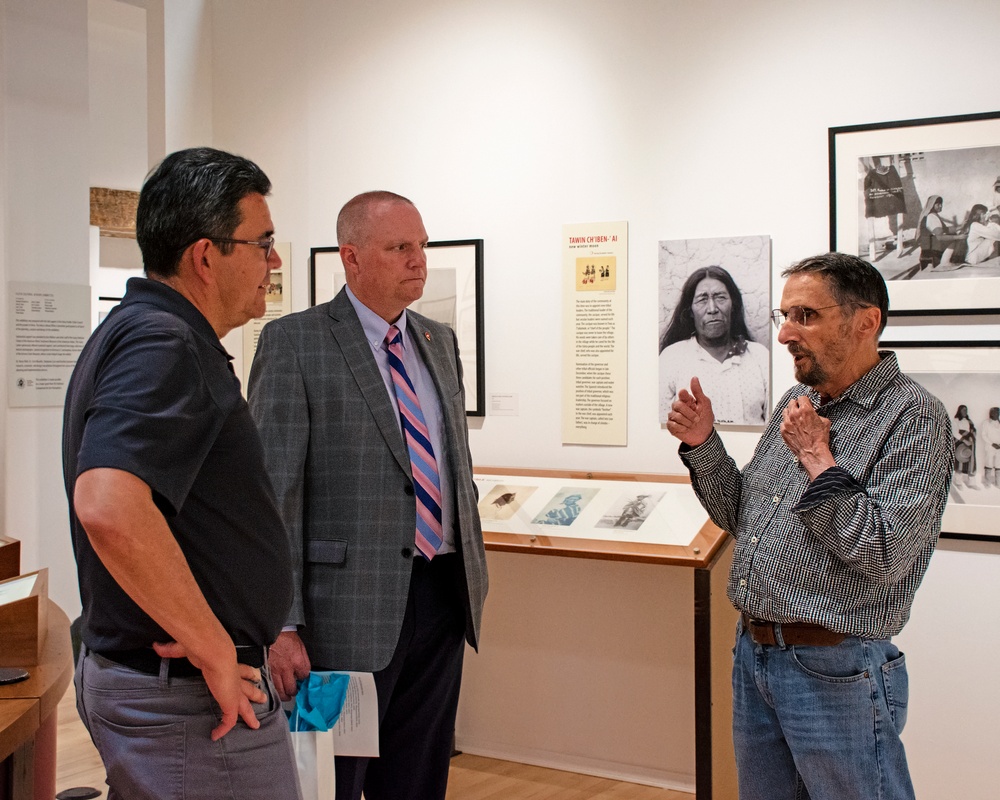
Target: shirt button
777, 498
753, 540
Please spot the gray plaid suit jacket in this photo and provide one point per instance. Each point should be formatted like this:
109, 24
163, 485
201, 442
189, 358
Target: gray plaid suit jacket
341, 474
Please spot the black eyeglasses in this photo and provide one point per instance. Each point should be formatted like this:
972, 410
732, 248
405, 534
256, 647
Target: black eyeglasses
267, 245
797, 315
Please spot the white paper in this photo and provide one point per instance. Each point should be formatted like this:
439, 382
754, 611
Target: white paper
12, 591
503, 405
356, 732
47, 326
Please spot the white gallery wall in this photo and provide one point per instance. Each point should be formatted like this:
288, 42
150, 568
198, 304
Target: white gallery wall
503, 121
46, 206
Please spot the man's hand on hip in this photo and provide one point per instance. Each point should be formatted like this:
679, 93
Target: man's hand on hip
233, 685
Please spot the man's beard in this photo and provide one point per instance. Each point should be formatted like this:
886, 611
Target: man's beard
809, 374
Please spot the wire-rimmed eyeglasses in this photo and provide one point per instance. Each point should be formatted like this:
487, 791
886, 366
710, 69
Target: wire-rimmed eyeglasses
797, 315
267, 245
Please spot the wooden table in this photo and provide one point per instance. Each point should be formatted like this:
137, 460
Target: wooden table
28, 718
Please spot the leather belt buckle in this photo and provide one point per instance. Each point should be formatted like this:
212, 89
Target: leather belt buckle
804, 634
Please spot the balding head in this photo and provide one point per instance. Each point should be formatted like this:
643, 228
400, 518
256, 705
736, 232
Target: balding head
354, 218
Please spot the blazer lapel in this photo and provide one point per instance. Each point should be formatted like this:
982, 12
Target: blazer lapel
430, 353
347, 330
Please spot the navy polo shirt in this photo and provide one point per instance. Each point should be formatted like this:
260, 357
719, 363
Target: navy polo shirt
154, 394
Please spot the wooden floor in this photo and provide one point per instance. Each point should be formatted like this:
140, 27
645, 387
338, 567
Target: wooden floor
472, 777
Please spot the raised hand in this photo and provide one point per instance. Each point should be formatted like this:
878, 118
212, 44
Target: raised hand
691, 418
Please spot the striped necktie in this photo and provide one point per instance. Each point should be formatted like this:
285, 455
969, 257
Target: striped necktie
426, 481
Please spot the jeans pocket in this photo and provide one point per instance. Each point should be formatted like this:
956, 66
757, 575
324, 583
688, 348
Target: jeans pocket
840, 664
143, 761
897, 690
270, 706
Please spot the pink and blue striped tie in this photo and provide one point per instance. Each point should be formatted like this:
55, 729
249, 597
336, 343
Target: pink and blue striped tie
426, 481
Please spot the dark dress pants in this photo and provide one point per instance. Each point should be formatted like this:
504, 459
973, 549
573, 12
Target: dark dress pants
417, 694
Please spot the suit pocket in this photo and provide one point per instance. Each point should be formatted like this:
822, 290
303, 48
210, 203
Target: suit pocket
326, 551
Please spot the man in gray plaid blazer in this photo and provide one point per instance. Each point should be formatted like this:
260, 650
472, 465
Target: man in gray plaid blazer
323, 395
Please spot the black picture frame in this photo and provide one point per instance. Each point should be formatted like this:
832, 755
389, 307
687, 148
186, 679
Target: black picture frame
956, 158
454, 266
957, 371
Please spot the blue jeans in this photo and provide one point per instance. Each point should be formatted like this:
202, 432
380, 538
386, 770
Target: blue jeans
820, 723
153, 735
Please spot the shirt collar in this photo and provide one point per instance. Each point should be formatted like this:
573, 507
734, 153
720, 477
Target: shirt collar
869, 386
374, 326
166, 298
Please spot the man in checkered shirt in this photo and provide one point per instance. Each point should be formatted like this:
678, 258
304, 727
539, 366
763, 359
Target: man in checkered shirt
835, 520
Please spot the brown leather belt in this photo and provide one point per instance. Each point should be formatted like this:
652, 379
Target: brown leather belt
792, 633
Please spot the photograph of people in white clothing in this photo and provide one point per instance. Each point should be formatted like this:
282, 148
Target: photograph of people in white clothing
973, 403
932, 214
715, 324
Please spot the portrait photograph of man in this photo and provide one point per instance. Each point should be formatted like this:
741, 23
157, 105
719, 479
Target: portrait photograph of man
714, 305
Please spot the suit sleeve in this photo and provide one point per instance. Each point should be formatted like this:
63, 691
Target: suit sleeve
277, 399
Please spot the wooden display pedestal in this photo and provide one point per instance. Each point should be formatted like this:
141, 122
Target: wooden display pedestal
34, 634
10, 558
643, 519
23, 618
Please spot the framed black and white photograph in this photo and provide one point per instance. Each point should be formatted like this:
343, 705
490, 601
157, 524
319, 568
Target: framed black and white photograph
453, 296
920, 199
714, 324
965, 376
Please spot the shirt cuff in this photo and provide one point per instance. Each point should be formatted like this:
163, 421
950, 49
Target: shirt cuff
706, 456
831, 481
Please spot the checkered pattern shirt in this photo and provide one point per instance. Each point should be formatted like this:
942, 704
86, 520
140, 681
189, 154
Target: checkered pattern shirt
848, 550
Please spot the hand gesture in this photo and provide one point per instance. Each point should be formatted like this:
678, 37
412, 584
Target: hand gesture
807, 435
233, 685
289, 663
691, 418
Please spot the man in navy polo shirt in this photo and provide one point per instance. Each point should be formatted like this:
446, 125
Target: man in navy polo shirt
184, 565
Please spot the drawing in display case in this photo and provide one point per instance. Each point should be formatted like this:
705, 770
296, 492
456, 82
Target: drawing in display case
615, 516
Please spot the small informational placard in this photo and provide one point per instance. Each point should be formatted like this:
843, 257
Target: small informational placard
595, 337
48, 325
278, 302
503, 405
